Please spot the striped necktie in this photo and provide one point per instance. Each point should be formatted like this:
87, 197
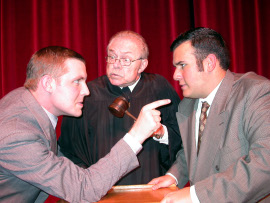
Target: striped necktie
202, 122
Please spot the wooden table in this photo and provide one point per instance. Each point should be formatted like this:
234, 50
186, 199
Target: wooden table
136, 193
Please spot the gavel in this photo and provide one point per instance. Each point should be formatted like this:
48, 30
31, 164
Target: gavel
119, 108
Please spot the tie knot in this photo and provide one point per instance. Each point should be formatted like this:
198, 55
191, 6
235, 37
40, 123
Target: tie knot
205, 106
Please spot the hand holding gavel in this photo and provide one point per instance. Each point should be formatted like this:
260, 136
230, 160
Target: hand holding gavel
119, 108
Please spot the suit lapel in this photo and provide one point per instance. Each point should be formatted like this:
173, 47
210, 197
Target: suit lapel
42, 119
186, 122
215, 129
212, 137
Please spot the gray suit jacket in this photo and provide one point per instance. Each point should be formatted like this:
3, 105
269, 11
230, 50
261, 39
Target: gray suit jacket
29, 162
234, 160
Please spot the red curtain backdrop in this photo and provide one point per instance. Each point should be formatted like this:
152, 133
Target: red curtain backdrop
86, 26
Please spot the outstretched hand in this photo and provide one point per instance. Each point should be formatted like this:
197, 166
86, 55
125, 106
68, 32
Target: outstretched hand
162, 182
148, 121
179, 196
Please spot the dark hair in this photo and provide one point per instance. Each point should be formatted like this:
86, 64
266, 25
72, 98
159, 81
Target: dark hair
205, 41
48, 60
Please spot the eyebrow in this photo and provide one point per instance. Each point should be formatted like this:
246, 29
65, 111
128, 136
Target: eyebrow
110, 50
178, 63
80, 78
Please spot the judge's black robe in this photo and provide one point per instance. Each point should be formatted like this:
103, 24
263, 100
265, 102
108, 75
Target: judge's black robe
86, 139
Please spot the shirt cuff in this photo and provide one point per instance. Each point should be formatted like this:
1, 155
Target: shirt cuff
176, 182
133, 143
165, 138
193, 195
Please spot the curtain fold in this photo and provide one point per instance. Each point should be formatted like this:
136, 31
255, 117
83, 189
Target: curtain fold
87, 25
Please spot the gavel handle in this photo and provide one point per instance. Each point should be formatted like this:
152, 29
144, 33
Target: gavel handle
129, 114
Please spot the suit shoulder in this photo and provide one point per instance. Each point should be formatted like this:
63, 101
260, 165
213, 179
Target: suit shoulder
20, 122
11, 105
12, 96
251, 80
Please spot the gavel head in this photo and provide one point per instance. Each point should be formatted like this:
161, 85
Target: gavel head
119, 106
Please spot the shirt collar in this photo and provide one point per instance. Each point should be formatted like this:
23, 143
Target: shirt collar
131, 87
52, 118
209, 99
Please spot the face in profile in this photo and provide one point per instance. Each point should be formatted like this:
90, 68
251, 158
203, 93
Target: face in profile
187, 72
70, 89
125, 48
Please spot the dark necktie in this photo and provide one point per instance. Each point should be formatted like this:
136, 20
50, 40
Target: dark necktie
202, 122
126, 93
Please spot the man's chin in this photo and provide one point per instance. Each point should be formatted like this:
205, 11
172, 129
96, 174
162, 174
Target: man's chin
187, 94
115, 82
77, 113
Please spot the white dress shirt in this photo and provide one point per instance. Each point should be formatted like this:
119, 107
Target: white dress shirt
209, 99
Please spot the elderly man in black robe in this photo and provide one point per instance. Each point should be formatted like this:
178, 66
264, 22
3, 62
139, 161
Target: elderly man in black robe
86, 139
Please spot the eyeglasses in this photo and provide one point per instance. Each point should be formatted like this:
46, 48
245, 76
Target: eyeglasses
123, 61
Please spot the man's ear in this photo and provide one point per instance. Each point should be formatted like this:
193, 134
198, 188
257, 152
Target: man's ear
143, 66
48, 83
210, 62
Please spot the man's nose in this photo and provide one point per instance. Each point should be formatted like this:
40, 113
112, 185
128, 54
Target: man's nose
117, 64
85, 91
177, 74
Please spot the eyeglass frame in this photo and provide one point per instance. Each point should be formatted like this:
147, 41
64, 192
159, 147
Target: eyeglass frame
121, 59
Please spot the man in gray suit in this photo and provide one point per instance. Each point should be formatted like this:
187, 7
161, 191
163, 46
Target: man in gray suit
29, 166
232, 162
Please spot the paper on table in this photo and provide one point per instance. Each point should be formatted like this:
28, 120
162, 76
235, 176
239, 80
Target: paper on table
143, 186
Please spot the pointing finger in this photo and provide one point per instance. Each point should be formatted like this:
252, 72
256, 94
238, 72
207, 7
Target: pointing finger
156, 104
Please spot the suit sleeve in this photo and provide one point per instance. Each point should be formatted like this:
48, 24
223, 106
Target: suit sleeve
28, 158
179, 169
